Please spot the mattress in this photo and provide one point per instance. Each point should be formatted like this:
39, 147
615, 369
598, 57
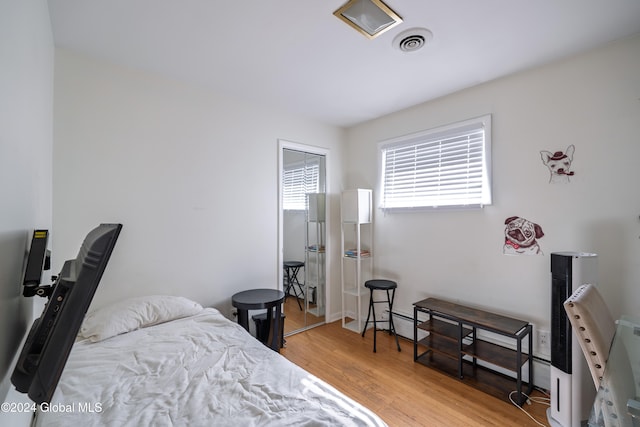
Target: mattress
201, 370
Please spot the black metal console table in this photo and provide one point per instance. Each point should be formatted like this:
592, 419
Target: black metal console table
452, 345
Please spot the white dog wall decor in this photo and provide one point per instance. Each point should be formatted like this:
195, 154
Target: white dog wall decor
521, 237
559, 164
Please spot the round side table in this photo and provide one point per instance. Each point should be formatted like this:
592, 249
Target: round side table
257, 299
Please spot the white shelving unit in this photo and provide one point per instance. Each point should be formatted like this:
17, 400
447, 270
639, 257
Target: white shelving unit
315, 254
357, 261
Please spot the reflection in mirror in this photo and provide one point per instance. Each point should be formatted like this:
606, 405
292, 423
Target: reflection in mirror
303, 216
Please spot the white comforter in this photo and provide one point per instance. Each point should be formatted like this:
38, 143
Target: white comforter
199, 371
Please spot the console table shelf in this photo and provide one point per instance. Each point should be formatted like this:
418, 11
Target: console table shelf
452, 331
495, 354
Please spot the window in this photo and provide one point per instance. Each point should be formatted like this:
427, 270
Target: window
448, 166
298, 180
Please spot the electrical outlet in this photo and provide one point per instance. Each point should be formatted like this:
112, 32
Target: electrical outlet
544, 341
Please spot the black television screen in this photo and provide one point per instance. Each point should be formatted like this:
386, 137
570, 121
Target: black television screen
46, 349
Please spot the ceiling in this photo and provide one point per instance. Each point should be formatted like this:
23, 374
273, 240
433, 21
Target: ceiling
294, 55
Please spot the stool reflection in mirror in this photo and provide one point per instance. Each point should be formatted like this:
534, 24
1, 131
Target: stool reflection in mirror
290, 280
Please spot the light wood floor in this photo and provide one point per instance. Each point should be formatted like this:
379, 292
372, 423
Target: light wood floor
401, 392
296, 318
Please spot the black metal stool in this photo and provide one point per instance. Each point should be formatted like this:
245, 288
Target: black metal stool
291, 269
381, 285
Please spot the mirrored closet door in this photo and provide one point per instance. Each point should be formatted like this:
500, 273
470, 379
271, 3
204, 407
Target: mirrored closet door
303, 214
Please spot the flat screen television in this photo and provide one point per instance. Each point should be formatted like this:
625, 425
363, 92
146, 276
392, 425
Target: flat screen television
46, 349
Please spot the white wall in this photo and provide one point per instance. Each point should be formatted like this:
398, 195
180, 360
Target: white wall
26, 101
592, 101
191, 175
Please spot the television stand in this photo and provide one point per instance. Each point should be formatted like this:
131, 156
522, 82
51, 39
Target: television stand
452, 345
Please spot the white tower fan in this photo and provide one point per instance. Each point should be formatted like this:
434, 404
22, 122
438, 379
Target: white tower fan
572, 389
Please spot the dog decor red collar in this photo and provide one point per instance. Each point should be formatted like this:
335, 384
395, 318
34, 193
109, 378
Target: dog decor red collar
510, 243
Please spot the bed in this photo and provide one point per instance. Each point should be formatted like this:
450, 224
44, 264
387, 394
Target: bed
166, 361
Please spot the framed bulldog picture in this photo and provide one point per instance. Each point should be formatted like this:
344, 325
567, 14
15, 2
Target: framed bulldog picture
521, 237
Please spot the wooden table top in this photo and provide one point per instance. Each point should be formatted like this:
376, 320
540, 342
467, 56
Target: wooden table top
473, 316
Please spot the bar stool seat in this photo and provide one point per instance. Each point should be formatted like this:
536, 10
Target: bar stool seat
381, 285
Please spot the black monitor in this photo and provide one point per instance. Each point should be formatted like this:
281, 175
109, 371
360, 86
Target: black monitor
52, 335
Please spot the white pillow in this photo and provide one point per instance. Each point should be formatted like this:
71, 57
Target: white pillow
135, 313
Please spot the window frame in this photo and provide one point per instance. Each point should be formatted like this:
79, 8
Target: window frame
433, 135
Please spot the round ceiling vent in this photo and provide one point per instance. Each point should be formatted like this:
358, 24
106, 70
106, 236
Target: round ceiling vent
412, 40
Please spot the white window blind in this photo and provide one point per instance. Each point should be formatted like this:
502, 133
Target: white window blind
297, 182
447, 166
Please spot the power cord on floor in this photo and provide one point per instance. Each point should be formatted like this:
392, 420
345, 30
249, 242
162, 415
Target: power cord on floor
542, 400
